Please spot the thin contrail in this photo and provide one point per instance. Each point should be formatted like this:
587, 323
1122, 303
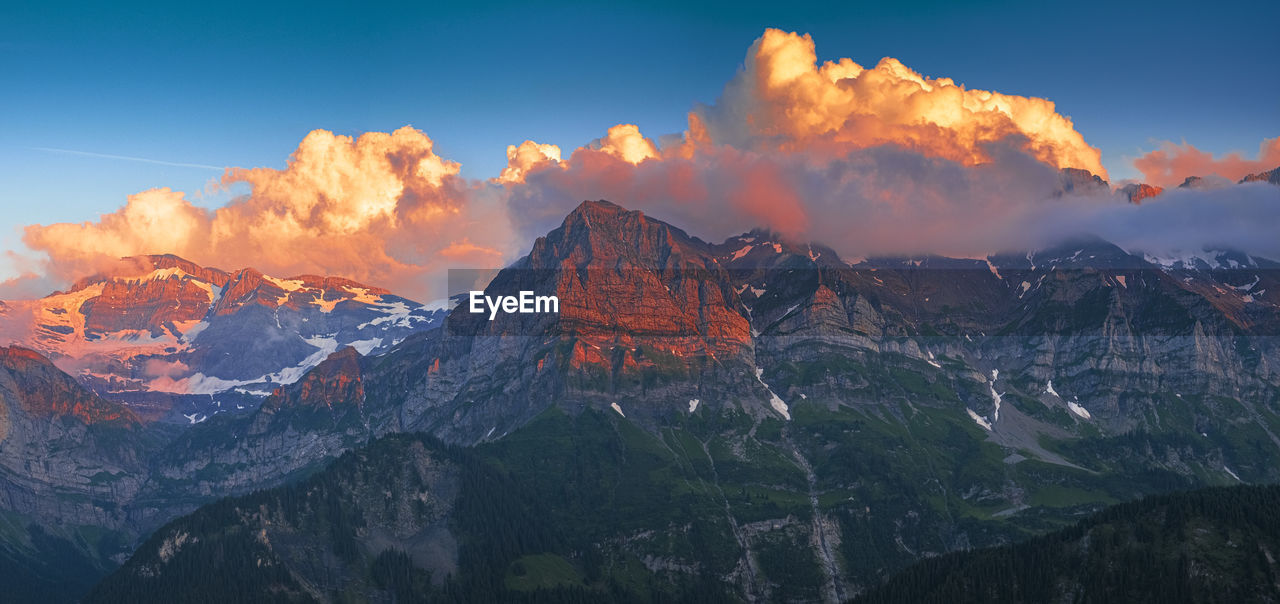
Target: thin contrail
128, 158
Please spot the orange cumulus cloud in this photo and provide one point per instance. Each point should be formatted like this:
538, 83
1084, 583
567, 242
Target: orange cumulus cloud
1170, 164
625, 142
382, 208
782, 99
155, 221
524, 157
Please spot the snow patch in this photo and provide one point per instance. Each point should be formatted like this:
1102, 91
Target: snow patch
1048, 389
693, 405
995, 396
289, 285
774, 400
197, 383
1122, 281
1233, 474
1078, 410
190, 333
995, 271
618, 409
364, 347
364, 296
981, 421
325, 346
742, 252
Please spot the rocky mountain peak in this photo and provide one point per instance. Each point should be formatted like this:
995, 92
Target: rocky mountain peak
1136, 192
596, 230
44, 391
1192, 182
153, 267
1270, 176
1076, 181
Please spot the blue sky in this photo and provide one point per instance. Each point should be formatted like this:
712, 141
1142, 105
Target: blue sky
240, 85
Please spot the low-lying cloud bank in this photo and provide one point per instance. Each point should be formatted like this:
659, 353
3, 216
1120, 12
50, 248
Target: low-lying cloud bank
870, 161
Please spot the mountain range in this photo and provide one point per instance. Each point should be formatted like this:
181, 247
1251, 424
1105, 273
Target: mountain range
172, 338
755, 419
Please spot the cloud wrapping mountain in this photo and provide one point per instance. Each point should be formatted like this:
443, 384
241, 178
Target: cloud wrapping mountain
870, 161
382, 207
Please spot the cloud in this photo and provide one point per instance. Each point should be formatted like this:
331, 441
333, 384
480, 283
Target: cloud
879, 160
524, 157
382, 208
1171, 163
1239, 217
782, 99
891, 200
877, 200
870, 161
151, 222
625, 142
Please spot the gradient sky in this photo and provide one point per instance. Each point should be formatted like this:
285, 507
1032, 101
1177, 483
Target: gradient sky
209, 85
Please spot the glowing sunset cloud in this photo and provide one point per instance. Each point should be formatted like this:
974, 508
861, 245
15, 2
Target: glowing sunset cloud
783, 99
1171, 163
878, 160
382, 208
625, 142
521, 159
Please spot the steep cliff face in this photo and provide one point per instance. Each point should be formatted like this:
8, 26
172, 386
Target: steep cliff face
68, 459
41, 391
648, 317
337, 380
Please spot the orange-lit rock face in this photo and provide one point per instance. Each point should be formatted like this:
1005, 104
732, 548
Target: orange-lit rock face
43, 391
1138, 192
145, 305
638, 300
250, 287
625, 280
338, 380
